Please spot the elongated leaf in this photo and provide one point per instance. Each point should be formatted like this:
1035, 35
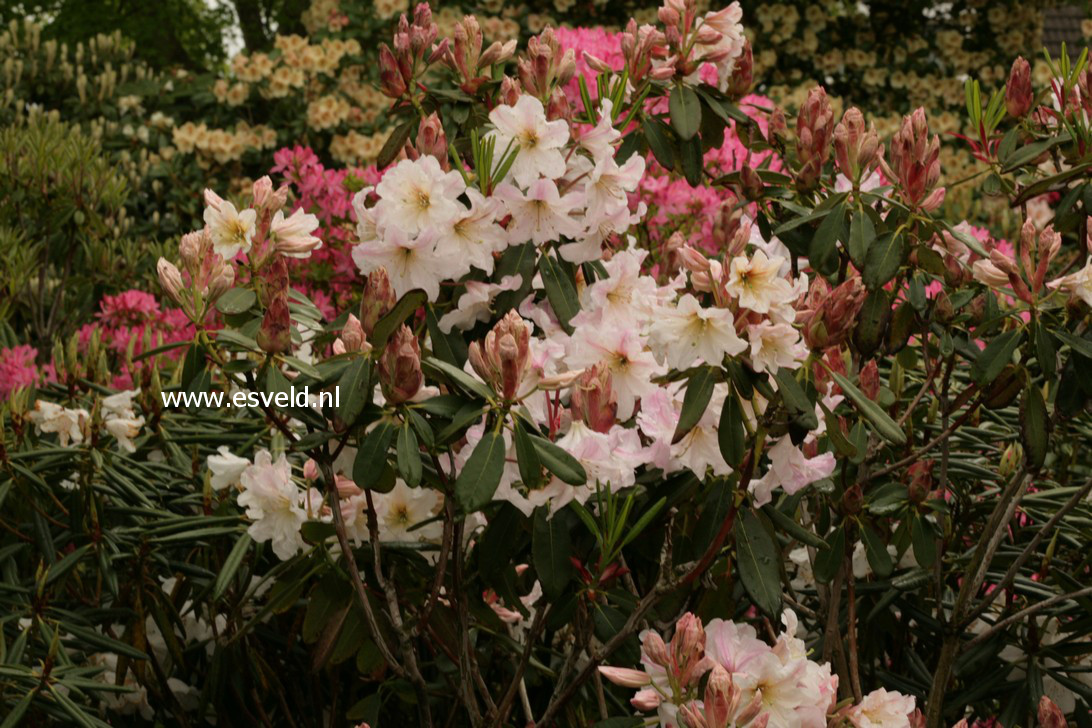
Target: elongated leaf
371, 455
788, 524
1076, 343
559, 462
690, 156
550, 551
924, 540
883, 260
231, 566
828, 560
395, 142
699, 390
659, 142
1034, 427
731, 432
759, 563
559, 290
236, 300
885, 426
476, 484
409, 455
685, 108
402, 310
530, 467
861, 234
354, 391
457, 377
876, 552
823, 250
995, 356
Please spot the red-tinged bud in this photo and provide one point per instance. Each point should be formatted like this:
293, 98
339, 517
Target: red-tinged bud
625, 677
915, 160
212, 200
1050, 715
346, 488
192, 248
669, 16
721, 697
221, 281
778, 127
510, 91
751, 184
749, 715
1018, 94
646, 700
691, 716
942, 308
857, 151
853, 499
170, 278
597, 64
869, 380
400, 367
592, 399
917, 719
708, 35
920, 484
275, 334
829, 316
378, 300
432, 140
262, 192
688, 646
743, 74
558, 107
504, 356
310, 469
1010, 460
663, 72
814, 129
391, 82
496, 54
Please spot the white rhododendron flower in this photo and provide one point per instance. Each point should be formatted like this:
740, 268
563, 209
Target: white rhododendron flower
273, 504
690, 332
757, 282
524, 127
232, 231
226, 468
418, 194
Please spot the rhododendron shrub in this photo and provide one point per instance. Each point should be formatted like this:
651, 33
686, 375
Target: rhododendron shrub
501, 450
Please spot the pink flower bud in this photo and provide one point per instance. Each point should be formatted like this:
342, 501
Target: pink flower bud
263, 192
647, 699
310, 469
721, 697
391, 82
432, 140
212, 199
596, 64
915, 163
352, 335
654, 649
1050, 715
750, 183
814, 128
1018, 94
400, 367
221, 281
693, 260
869, 379
378, 300
509, 91
592, 399
691, 717
504, 356
625, 677
191, 248
170, 278
559, 106
743, 74
275, 334
856, 151
346, 488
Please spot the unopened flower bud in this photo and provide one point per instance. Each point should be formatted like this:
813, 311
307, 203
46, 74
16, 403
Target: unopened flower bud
920, 475
691, 717
1011, 458
814, 128
170, 278
431, 138
221, 281
653, 647
352, 336
212, 200
1018, 94
378, 300
743, 74
1050, 715
263, 192
400, 367
625, 677
857, 151
750, 183
503, 357
592, 399
869, 379
190, 249
275, 334
693, 260
558, 106
915, 163
391, 82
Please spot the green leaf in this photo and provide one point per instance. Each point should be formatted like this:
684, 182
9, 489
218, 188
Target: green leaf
876, 552
409, 455
731, 432
106, 644
1034, 427
827, 561
236, 300
559, 462
18, 710
559, 290
354, 390
861, 234
699, 390
371, 455
476, 484
885, 426
823, 249
685, 109
303, 367
690, 155
656, 134
759, 563
395, 142
457, 377
991, 360
530, 467
1076, 343
550, 551
789, 525
402, 310
883, 260
231, 565
924, 540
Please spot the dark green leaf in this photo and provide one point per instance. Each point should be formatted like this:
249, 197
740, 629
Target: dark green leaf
883, 260
1034, 427
699, 390
887, 427
559, 290
402, 310
731, 432
371, 455
995, 356
659, 142
827, 561
409, 455
550, 551
861, 234
236, 300
685, 108
353, 390
478, 481
876, 552
395, 142
530, 468
924, 540
559, 462
759, 563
